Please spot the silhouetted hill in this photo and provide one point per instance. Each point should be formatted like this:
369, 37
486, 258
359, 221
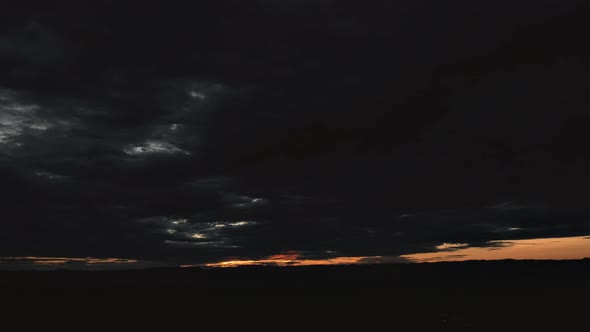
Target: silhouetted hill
476, 294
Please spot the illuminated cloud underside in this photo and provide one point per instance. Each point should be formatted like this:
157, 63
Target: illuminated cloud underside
154, 147
180, 232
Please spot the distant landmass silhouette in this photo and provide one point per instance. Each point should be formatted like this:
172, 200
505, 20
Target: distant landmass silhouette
473, 294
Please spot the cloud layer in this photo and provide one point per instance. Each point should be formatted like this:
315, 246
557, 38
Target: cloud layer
192, 133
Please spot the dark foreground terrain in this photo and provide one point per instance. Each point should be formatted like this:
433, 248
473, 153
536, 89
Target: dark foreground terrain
445, 296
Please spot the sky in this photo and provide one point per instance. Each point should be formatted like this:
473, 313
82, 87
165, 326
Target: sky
204, 132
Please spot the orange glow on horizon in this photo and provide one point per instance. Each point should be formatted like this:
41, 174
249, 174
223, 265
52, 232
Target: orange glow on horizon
293, 258
540, 249
45, 261
290, 262
531, 249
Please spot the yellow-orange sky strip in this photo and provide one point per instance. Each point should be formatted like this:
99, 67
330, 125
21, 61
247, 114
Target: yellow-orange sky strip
64, 260
548, 248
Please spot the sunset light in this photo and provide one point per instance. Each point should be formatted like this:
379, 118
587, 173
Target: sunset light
548, 248
292, 258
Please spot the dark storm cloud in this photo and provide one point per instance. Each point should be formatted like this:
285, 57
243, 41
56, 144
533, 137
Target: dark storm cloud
194, 132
